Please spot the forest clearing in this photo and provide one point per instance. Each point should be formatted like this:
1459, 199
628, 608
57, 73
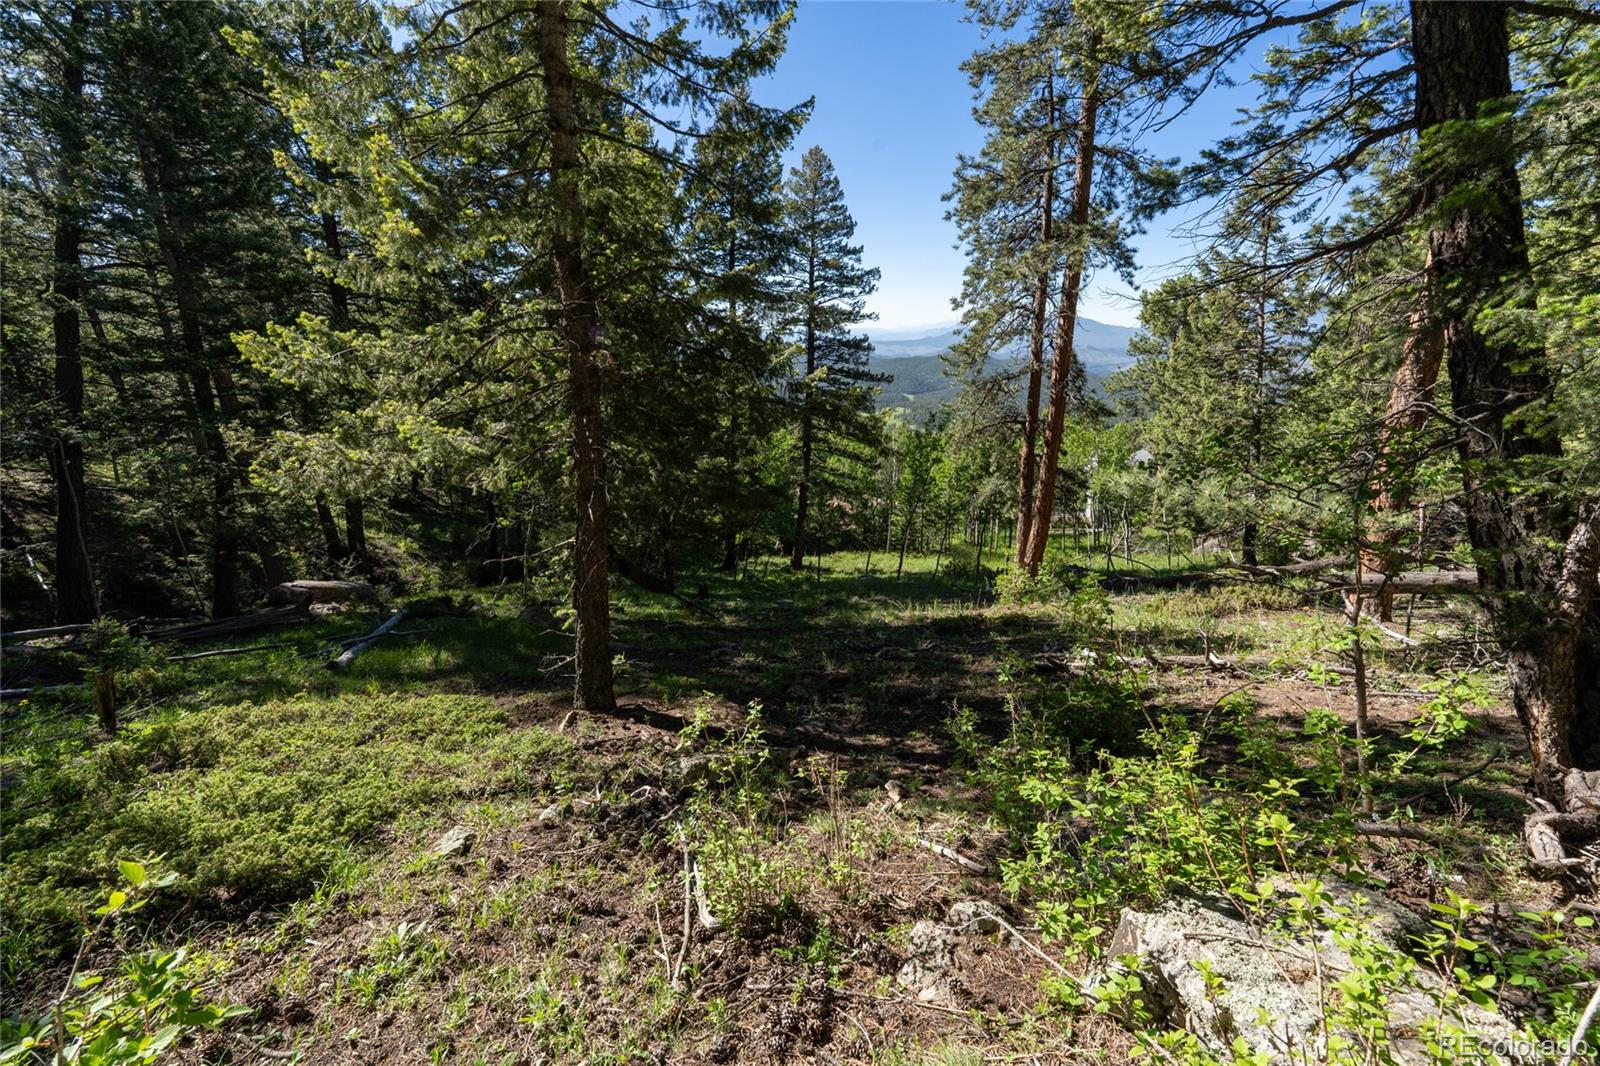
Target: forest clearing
482, 583
806, 743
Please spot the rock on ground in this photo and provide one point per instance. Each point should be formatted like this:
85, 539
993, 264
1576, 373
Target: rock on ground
1267, 987
930, 965
456, 841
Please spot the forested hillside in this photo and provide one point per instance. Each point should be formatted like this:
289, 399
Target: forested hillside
479, 585
916, 363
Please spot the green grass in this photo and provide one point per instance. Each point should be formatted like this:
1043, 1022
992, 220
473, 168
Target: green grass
247, 801
271, 784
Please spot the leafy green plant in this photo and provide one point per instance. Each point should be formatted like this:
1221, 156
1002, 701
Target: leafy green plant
1081, 602
133, 1017
733, 819
407, 954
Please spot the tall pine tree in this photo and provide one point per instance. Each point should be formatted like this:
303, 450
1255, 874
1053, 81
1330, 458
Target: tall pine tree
833, 391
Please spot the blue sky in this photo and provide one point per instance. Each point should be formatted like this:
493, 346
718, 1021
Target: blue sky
893, 109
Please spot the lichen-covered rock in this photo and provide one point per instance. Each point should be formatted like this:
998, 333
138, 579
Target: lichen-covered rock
1203, 968
930, 955
930, 969
972, 917
686, 771
321, 592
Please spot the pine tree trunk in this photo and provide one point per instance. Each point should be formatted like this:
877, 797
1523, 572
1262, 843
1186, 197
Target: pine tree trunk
331, 543
339, 299
338, 295
105, 702
1258, 408
1029, 463
905, 541
225, 554
803, 501
355, 533
1066, 322
76, 600
730, 529
1408, 409
1247, 536
274, 568
580, 320
1541, 598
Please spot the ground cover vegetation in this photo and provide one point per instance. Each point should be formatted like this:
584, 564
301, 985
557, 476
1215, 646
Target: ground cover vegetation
462, 602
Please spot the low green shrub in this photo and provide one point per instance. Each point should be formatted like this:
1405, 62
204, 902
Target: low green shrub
734, 826
1125, 830
1071, 720
1081, 603
246, 801
759, 871
962, 560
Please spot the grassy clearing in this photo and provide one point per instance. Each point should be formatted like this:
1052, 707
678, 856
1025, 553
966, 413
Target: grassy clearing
803, 735
248, 802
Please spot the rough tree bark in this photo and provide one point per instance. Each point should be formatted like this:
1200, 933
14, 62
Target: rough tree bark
355, 544
730, 530
1257, 428
332, 543
580, 322
1028, 471
1538, 557
75, 589
1066, 322
1410, 402
355, 534
274, 567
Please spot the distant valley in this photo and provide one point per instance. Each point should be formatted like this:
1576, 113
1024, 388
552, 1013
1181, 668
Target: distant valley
919, 385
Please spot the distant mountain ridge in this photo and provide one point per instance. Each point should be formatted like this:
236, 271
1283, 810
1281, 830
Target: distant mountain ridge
919, 384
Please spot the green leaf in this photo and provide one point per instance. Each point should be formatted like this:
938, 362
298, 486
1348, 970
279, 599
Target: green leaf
133, 872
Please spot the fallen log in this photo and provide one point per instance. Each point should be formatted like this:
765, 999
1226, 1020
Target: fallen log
1548, 831
652, 582
349, 655
244, 623
22, 635
1299, 568
247, 649
1425, 581
29, 650
1400, 831
1420, 581
25, 693
953, 855
1213, 662
321, 592
1545, 832
1195, 579
354, 637
709, 921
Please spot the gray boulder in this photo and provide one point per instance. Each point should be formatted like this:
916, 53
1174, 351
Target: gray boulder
1203, 968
